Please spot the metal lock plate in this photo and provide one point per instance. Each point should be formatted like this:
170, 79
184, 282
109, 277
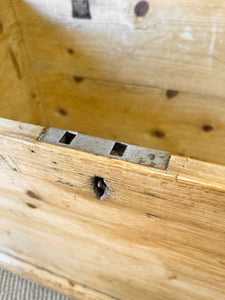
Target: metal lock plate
98, 146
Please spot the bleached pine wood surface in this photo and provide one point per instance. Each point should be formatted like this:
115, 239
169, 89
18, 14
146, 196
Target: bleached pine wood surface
157, 235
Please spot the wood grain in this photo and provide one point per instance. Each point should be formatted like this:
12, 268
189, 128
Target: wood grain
97, 76
51, 280
137, 115
157, 235
176, 45
19, 99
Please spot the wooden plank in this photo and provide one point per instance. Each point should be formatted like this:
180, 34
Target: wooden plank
175, 45
182, 123
20, 130
157, 235
19, 99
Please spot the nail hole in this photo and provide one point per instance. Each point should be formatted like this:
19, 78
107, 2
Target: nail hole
33, 95
118, 149
171, 94
63, 112
70, 51
78, 79
207, 128
159, 133
31, 205
141, 8
100, 187
33, 195
67, 138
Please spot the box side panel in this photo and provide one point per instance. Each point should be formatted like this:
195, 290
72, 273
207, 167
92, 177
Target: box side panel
158, 234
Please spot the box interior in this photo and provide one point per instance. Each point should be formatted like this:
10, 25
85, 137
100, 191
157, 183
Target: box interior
114, 75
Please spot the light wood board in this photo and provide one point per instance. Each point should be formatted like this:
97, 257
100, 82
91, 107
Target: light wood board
157, 235
176, 45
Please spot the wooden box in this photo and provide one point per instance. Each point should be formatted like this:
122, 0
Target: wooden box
147, 73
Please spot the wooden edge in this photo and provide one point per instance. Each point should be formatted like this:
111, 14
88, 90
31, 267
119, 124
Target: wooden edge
20, 130
180, 168
49, 279
198, 172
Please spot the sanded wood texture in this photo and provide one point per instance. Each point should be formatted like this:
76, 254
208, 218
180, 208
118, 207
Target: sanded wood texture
157, 235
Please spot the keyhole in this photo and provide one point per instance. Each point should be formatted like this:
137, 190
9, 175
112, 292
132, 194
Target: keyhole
99, 187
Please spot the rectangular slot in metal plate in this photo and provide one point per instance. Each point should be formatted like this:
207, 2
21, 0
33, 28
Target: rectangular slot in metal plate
81, 9
98, 146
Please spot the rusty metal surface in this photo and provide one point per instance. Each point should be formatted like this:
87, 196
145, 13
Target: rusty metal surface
123, 151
